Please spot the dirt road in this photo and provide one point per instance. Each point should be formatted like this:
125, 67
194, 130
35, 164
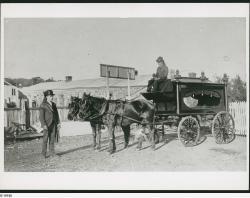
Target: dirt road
75, 153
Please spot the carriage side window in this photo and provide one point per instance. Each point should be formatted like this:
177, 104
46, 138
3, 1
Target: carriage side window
201, 99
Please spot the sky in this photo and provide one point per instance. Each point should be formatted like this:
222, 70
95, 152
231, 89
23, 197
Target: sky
57, 47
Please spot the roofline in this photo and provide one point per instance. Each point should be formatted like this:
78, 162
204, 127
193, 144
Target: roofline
9, 83
201, 83
89, 88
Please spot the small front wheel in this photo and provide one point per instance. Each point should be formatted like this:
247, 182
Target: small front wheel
189, 131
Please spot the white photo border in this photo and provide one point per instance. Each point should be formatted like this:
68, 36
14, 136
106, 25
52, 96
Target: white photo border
122, 180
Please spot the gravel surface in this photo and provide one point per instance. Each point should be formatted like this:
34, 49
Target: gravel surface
75, 153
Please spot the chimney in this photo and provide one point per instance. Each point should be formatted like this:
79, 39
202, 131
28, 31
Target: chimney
68, 78
192, 75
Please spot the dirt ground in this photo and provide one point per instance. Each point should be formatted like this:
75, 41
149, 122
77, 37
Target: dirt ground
75, 153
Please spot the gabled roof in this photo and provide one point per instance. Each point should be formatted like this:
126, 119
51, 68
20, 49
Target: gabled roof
7, 83
21, 95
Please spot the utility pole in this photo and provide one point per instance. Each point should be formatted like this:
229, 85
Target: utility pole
107, 81
129, 85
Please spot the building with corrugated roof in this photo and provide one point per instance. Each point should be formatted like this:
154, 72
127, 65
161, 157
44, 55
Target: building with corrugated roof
97, 87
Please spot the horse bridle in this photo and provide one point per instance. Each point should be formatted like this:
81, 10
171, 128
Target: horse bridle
75, 109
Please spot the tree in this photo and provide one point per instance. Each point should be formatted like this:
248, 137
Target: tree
37, 80
236, 88
50, 80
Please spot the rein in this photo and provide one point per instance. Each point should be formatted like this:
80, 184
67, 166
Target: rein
102, 112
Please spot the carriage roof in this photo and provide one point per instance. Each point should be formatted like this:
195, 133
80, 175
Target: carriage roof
198, 82
188, 80
209, 96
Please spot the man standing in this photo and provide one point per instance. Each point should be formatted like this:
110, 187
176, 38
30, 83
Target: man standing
161, 73
50, 123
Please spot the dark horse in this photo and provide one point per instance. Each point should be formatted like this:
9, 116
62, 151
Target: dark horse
117, 113
73, 114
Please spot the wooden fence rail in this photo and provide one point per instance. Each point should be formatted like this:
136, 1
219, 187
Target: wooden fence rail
19, 115
236, 109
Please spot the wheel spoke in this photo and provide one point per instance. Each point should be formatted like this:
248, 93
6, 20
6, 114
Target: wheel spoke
188, 131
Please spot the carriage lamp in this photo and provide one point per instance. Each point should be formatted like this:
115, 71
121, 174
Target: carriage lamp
177, 74
225, 79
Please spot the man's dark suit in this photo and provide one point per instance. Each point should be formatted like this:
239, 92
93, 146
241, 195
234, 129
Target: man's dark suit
49, 119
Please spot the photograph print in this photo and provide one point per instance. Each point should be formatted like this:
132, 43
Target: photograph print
125, 94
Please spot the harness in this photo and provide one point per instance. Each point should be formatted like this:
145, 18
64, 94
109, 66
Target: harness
103, 112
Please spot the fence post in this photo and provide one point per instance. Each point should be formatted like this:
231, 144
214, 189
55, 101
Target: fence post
27, 114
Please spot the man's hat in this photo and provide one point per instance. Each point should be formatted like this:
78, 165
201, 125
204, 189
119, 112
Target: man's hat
48, 93
159, 59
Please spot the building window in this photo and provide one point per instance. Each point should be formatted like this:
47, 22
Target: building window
13, 92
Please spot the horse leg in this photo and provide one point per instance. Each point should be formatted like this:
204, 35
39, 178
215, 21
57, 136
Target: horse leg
156, 137
93, 126
152, 137
98, 137
126, 131
112, 146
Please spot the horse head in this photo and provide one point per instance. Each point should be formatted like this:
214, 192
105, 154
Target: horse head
74, 107
90, 106
86, 107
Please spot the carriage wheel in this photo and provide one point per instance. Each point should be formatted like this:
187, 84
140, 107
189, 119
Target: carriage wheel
189, 131
223, 128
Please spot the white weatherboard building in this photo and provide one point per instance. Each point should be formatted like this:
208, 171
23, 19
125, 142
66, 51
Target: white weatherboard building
11, 94
97, 87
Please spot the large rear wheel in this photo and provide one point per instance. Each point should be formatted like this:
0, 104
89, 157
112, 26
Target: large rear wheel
223, 128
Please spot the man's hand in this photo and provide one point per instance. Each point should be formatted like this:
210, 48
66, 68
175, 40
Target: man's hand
58, 126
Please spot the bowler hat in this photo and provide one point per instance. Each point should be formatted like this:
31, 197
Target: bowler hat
48, 93
159, 59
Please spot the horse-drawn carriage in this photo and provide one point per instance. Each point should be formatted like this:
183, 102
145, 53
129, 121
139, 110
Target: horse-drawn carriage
189, 103
185, 102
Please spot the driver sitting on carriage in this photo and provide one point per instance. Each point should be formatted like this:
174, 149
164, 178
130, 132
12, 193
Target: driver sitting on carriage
160, 81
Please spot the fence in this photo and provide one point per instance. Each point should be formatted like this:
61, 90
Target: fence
14, 115
19, 115
236, 109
